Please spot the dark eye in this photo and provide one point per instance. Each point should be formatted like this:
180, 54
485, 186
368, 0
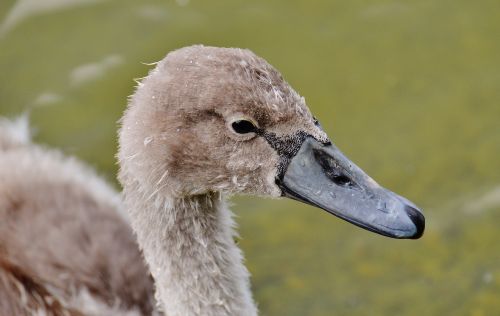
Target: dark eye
243, 127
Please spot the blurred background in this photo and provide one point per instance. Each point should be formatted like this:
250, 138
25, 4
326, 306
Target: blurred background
409, 90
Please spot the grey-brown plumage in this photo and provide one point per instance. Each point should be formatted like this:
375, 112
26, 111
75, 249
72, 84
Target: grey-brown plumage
206, 123
64, 247
61, 225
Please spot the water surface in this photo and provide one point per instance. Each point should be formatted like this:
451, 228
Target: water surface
409, 90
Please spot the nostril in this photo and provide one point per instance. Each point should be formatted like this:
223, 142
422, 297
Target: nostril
333, 171
340, 179
418, 219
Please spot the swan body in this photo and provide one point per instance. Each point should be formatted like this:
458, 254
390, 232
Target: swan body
205, 124
65, 246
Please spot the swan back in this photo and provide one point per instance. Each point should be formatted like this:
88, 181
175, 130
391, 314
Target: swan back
65, 247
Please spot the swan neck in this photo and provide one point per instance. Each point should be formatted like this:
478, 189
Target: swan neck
189, 246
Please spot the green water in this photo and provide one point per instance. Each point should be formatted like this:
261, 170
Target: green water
408, 89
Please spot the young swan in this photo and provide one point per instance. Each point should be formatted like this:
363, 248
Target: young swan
210, 122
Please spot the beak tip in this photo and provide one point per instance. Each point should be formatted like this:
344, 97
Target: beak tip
418, 220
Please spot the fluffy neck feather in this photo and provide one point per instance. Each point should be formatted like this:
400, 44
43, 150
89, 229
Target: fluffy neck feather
188, 244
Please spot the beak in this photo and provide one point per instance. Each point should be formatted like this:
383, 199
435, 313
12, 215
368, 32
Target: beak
321, 175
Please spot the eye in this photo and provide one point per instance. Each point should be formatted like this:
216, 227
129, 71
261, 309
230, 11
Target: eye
243, 127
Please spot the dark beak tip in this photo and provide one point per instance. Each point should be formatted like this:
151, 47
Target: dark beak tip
418, 220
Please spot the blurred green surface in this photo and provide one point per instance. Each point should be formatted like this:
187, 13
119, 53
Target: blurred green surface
408, 89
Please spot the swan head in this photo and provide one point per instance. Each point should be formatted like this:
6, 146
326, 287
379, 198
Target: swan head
210, 119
